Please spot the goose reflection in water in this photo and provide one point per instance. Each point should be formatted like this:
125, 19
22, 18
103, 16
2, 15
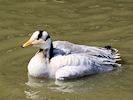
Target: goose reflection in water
59, 86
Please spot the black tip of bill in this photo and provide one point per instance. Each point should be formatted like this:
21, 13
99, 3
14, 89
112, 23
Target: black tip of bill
21, 46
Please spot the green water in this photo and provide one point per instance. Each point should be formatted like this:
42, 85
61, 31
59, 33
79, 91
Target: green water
88, 22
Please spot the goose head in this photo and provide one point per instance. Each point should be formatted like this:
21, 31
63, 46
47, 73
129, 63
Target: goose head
38, 39
42, 40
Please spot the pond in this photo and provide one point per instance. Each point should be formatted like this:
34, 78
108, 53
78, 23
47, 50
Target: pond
87, 22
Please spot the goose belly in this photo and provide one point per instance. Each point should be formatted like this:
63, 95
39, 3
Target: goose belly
37, 67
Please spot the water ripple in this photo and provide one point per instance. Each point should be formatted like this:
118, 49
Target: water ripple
59, 1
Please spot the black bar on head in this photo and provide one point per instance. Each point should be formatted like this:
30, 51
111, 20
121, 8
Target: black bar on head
39, 35
47, 38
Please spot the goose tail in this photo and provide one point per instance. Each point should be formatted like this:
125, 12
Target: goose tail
114, 52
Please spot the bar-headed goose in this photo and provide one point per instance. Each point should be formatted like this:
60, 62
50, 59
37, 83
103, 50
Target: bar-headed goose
64, 60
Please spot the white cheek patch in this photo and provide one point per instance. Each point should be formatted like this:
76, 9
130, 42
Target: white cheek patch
38, 42
34, 36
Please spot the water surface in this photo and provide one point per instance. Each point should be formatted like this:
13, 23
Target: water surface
88, 22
